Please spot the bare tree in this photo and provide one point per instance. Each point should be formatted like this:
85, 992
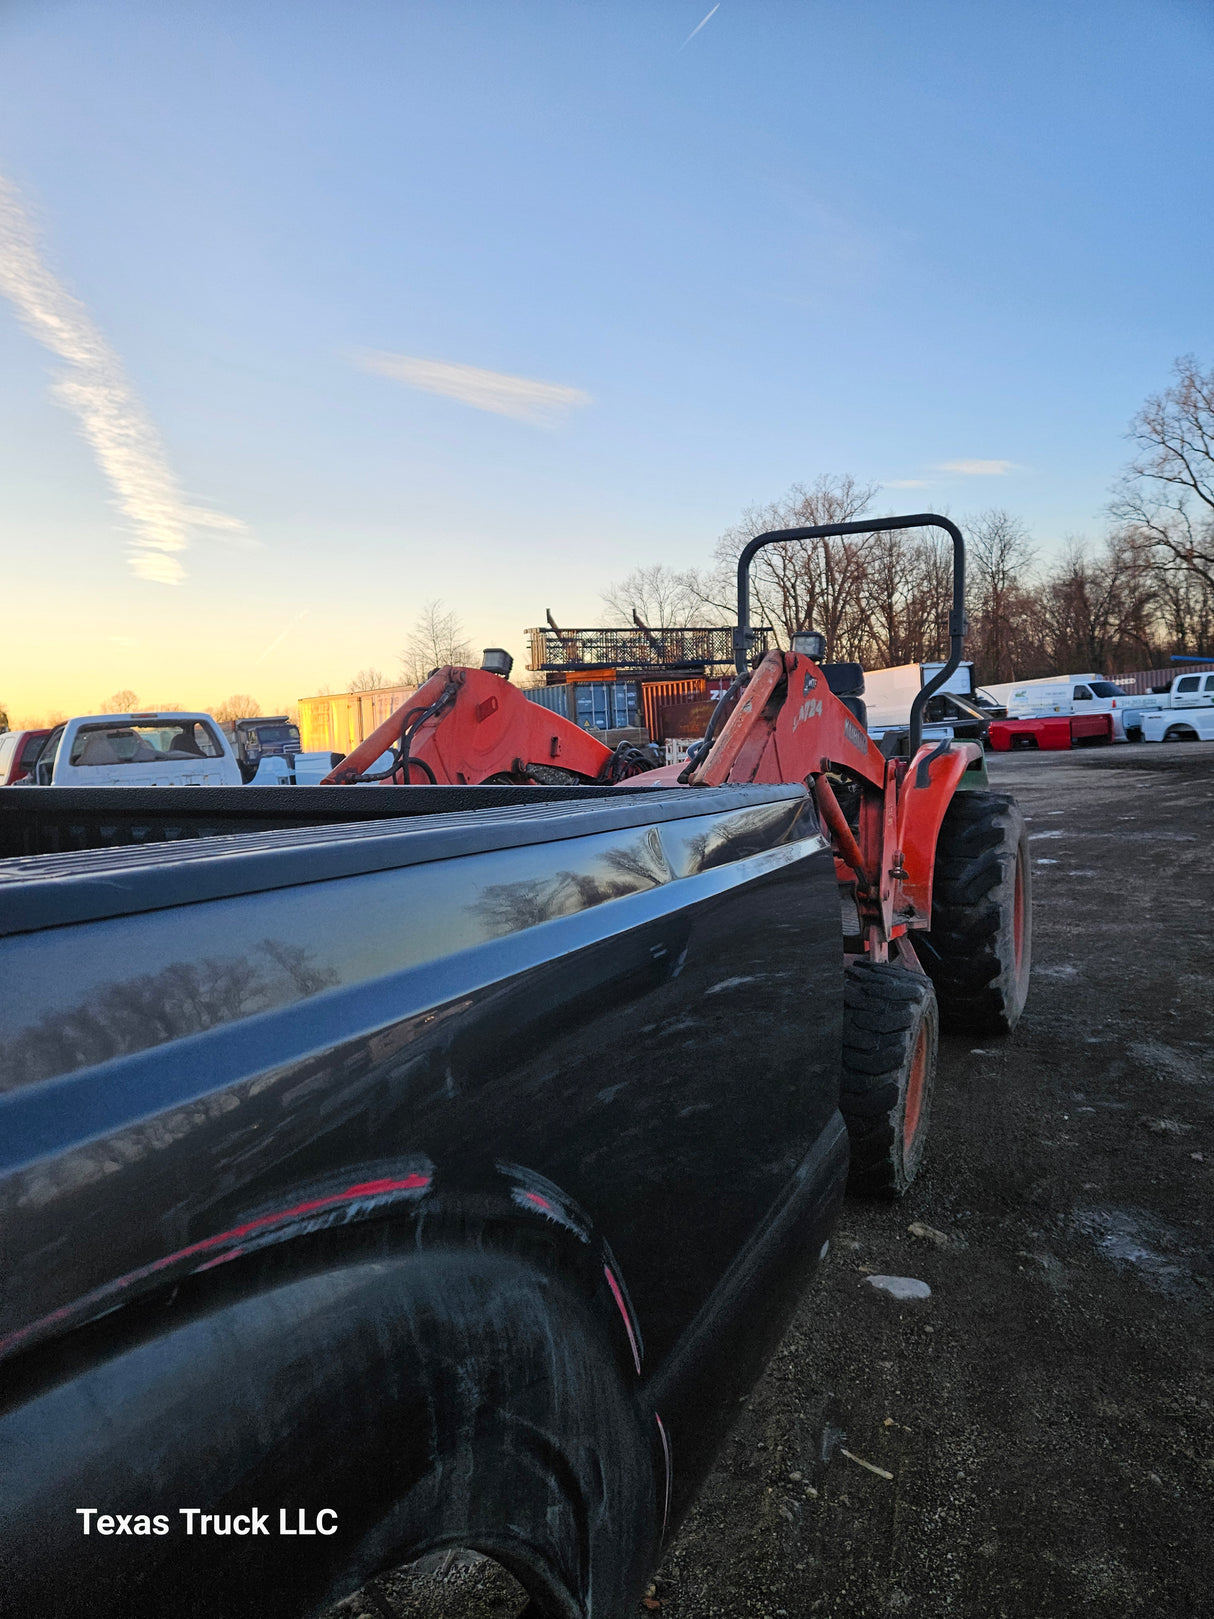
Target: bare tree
1167, 494
903, 593
369, 680
238, 707
805, 583
1184, 607
437, 638
122, 702
1004, 617
882, 598
662, 597
1098, 610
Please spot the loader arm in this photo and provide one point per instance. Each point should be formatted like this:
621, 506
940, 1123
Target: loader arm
468, 726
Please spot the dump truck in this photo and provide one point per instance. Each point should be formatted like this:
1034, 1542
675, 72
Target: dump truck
425, 1163
273, 736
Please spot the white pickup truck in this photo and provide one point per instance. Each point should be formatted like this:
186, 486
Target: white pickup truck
161, 750
138, 750
1194, 691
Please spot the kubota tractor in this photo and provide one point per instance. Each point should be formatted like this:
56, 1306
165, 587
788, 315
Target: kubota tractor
933, 868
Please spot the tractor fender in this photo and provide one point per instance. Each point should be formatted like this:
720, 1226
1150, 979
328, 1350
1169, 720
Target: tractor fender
925, 793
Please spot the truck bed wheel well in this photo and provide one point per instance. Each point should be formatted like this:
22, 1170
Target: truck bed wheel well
411, 1395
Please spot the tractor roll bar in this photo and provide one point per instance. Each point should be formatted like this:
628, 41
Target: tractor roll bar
957, 622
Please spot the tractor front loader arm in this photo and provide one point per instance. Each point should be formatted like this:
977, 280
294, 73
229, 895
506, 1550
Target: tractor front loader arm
469, 726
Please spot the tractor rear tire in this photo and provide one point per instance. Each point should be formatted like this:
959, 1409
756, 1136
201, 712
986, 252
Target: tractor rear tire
890, 1036
979, 950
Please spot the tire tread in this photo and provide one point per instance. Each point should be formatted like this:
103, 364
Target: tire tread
883, 1005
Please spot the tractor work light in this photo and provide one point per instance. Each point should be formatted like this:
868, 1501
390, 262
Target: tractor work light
497, 661
810, 644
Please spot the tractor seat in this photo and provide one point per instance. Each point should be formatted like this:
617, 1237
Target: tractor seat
844, 679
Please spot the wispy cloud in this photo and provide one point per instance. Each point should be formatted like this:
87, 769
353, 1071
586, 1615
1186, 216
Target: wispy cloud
976, 469
908, 483
700, 25
521, 397
111, 416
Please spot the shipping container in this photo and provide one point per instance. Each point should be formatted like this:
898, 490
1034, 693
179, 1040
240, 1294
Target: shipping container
599, 705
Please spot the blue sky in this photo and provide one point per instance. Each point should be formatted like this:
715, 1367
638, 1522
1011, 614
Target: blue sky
873, 238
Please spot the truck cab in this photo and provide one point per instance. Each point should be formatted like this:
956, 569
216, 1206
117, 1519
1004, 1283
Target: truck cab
137, 750
263, 737
1192, 691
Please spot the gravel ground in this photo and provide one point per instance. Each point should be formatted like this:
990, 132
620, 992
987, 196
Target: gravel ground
1040, 1432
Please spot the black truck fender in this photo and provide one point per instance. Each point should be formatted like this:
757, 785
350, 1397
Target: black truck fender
407, 1397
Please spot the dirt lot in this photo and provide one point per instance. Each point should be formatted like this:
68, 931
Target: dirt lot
1048, 1415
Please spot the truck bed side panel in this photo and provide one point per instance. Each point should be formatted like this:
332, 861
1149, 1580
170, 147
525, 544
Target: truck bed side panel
648, 1017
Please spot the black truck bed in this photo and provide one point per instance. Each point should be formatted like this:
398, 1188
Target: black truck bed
329, 1114
50, 820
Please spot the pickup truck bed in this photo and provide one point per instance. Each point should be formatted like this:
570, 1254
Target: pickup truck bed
299, 1123
1051, 732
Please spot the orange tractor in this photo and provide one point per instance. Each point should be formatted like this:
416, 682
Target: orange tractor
933, 868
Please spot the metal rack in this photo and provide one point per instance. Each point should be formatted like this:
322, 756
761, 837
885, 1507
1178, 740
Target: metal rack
636, 649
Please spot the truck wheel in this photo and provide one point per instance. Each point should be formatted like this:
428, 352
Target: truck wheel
423, 1401
1180, 733
890, 1035
979, 950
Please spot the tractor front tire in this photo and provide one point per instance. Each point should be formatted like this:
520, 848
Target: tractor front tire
979, 950
890, 1036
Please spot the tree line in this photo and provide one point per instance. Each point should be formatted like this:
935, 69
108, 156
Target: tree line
1144, 592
